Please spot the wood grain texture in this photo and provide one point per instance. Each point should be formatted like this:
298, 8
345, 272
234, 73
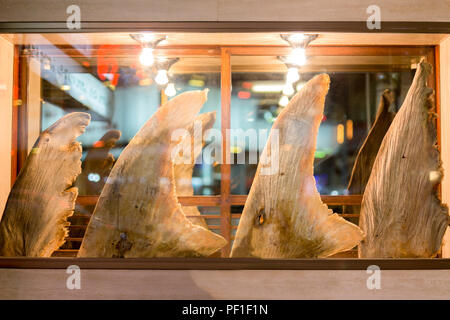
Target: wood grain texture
7, 146
443, 82
225, 167
284, 216
98, 161
184, 162
138, 214
328, 284
369, 150
401, 213
42, 198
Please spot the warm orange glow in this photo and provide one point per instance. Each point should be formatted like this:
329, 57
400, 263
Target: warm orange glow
340, 134
244, 95
349, 125
99, 144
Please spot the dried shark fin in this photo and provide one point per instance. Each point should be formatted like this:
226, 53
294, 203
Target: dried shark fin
369, 149
34, 223
185, 161
98, 161
368, 152
284, 216
401, 213
138, 214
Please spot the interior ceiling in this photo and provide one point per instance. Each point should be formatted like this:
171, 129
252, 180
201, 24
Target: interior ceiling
229, 39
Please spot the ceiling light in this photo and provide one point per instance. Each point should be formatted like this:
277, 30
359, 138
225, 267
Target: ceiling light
299, 86
292, 75
147, 37
297, 37
146, 58
298, 40
163, 65
288, 90
170, 90
161, 77
148, 42
297, 57
283, 101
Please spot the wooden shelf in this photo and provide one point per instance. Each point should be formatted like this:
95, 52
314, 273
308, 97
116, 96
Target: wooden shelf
62, 262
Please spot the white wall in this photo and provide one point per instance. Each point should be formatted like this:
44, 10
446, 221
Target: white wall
6, 82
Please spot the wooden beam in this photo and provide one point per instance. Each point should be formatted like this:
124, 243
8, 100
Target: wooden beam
235, 200
22, 128
323, 50
15, 116
133, 50
221, 263
270, 50
225, 169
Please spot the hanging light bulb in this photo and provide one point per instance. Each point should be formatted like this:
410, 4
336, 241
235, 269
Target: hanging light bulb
288, 90
300, 86
146, 58
298, 56
147, 37
296, 38
170, 90
283, 101
161, 77
292, 75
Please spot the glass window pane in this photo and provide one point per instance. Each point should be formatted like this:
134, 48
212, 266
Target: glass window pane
121, 94
259, 94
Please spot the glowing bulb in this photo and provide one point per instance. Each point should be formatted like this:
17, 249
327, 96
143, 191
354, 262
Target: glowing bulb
161, 77
170, 90
65, 87
299, 86
297, 37
147, 37
292, 75
283, 101
94, 177
146, 58
340, 134
298, 56
288, 89
349, 131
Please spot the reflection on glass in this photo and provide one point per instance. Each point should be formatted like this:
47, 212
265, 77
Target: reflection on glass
120, 93
350, 108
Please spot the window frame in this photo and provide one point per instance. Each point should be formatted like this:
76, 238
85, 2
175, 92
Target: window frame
225, 199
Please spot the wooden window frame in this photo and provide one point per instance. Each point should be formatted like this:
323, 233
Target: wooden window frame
225, 199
